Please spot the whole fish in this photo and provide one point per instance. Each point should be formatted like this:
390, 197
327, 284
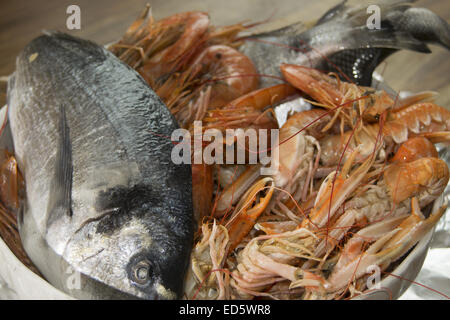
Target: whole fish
342, 42
107, 213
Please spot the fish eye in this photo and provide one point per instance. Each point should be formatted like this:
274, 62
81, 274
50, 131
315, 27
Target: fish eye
142, 272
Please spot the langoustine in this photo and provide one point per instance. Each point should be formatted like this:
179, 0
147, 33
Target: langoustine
291, 252
286, 258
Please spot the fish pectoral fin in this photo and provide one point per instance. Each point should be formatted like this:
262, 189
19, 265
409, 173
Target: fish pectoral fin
60, 202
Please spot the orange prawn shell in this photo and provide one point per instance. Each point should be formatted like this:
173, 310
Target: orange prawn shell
193, 25
313, 82
405, 180
415, 148
231, 73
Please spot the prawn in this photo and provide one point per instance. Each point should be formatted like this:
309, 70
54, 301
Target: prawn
426, 119
221, 75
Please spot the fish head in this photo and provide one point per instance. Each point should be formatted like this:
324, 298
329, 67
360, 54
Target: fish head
135, 247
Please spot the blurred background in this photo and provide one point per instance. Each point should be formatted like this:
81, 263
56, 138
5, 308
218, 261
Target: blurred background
104, 21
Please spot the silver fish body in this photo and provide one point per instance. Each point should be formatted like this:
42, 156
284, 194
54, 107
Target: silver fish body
342, 42
107, 213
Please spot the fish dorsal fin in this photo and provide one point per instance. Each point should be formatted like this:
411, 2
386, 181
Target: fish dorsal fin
60, 202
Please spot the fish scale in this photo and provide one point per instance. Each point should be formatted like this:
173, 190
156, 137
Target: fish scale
131, 205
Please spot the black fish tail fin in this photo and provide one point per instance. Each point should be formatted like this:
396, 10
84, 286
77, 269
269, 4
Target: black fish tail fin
61, 189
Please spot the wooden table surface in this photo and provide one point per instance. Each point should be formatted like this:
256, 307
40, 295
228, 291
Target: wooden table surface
104, 21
